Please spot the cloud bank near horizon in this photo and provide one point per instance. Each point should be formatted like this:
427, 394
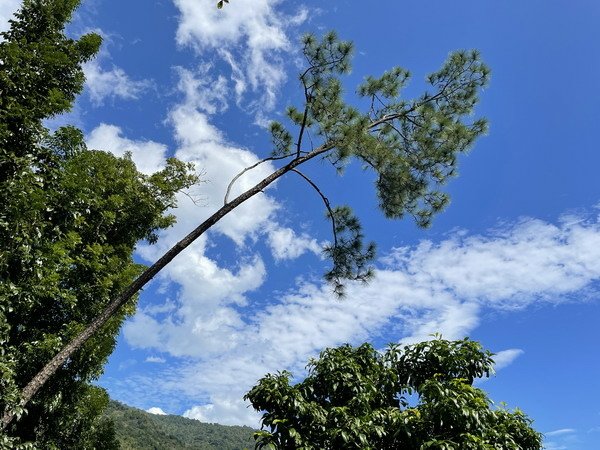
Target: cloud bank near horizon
432, 287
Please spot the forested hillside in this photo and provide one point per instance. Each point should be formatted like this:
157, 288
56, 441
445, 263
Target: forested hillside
137, 429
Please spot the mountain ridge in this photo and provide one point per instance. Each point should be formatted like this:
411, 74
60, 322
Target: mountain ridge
139, 430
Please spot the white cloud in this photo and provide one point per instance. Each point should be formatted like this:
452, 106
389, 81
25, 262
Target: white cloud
104, 80
432, 287
206, 319
7, 9
237, 74
225, 410
560, 432
250, 36
506, 357
285, 243
112, 83
202, 91
149, 156
201, 143
156, 410
155, 360
510, 265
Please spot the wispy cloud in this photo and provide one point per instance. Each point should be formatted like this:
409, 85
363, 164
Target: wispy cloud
554, 446
111, 83
251, 38
107, 81
561, 439
202, 91
560, 432
155, 360
505, 358
502, 359
432, 287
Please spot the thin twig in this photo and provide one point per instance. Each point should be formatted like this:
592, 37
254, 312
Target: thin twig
307, 97
325, 201
195, 200
234, 179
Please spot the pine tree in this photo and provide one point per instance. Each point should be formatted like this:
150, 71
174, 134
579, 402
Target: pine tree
412, 146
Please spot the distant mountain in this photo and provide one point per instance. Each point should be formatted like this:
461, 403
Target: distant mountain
139, 430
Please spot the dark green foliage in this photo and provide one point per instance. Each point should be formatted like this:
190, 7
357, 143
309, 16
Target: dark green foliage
349, 257
69, 221
281, 138
421, 144
74, 421
411, 145
40, 75
413, 397
136, 429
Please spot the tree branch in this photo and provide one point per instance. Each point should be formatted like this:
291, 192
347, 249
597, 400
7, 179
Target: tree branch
234, 179
325, 201
307, 96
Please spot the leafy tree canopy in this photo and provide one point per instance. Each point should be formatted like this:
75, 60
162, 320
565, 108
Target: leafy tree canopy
411, 145
417, 396
69, 221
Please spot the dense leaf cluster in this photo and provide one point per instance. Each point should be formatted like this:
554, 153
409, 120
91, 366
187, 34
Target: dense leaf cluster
69, 221
413, 397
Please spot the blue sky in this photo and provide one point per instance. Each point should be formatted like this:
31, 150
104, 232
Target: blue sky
513, 262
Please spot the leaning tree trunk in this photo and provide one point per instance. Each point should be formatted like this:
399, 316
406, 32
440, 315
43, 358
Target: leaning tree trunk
36, 383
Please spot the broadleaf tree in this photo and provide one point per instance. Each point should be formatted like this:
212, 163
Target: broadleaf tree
411, 145
418, 396
70, 218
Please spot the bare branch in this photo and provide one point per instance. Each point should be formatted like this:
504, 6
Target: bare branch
307, 97
325, 201
197, 201
234, 179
